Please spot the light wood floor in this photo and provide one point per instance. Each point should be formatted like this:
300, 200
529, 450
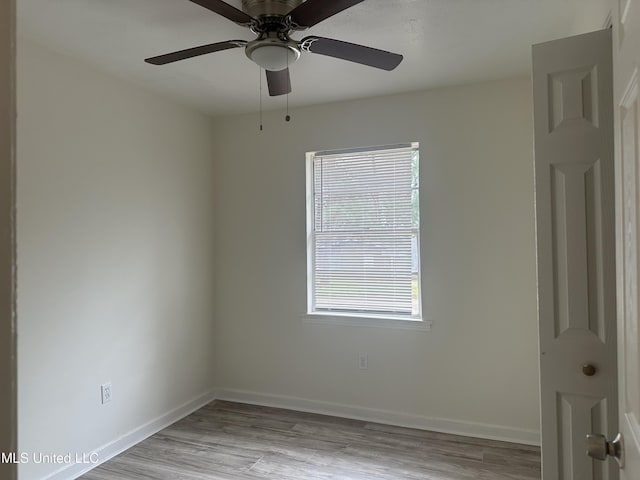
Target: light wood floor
234, 441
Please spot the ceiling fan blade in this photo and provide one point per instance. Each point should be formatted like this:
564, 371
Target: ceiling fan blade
311, 12
226, 10
195, 52
279, 82
352, 52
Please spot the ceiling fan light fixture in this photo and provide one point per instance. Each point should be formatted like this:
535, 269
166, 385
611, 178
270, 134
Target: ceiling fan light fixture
273, 56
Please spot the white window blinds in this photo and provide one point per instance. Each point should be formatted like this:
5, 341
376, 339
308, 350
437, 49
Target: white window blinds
364, 232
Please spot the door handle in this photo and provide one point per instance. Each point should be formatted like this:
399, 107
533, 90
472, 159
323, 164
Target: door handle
599, 448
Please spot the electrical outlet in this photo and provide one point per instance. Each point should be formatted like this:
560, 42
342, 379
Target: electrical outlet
105, 392
364, 361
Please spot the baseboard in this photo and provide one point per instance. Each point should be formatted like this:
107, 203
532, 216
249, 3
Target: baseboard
128, 440
443, 425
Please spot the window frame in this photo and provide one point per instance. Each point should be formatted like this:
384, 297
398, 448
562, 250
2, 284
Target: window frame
415, 321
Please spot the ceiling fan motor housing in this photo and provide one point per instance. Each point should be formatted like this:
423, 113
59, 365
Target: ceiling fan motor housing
260, 8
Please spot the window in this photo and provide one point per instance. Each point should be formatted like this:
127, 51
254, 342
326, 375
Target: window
363, 232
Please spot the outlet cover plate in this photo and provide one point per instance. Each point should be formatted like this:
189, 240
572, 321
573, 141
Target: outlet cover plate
364, 361
105, 392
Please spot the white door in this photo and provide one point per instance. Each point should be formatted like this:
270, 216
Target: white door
575, 229
626, 47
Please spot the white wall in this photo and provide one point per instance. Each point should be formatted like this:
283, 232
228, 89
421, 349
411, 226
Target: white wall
7, 232
590, 15
115, 234
479, 363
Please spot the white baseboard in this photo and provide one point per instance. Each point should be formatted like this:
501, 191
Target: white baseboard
443, 425
128, 440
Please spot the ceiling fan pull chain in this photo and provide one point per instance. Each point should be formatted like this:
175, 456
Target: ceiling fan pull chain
260, 114
287, 118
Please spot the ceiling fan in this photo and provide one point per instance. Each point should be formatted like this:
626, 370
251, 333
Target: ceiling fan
273, 21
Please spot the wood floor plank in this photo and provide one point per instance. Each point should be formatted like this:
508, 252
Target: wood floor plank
234, 441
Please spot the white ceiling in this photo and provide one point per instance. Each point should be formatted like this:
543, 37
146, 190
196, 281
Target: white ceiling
444, 42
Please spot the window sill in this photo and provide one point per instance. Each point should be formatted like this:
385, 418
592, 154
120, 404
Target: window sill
365, 321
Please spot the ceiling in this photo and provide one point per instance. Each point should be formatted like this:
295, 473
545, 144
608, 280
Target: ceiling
444, 42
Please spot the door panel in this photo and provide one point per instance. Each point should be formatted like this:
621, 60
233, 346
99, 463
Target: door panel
630, 396
575, 229
579, 415
627, 131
